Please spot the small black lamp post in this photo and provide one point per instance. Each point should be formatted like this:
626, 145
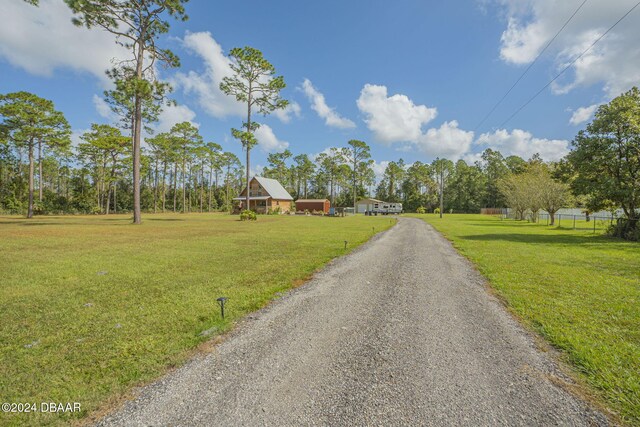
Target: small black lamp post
221, 301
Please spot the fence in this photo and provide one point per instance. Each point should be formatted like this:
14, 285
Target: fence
578, 222
571, 218
493, 211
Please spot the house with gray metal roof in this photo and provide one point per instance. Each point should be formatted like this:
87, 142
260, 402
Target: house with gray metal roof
265, 195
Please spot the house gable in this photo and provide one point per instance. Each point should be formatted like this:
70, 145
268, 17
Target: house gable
266, 187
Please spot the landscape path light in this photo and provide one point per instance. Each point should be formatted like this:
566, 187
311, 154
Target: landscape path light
221, 301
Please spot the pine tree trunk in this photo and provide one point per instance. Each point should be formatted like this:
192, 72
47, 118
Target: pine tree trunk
192, 181
104, 201
201, 188
184, 188
164, 184
248, 147
40, 169
106, 209
137, 131
229, 204
210, 188
31, 173
332, 193
355, 178
155, 189
99, 200
175, 186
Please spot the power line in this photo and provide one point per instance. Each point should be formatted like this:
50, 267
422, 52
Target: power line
569, 66
529, 67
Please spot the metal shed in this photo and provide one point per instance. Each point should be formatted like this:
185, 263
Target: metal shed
313, 205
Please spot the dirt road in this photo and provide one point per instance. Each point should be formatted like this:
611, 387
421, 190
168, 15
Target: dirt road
400, 332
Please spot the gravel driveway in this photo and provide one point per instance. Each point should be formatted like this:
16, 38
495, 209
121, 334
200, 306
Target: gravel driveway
400, 332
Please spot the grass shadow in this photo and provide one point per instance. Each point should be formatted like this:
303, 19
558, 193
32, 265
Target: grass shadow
544, 239
28, 223
495, 223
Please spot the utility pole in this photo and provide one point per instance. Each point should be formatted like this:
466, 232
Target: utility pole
440, 164
441, 189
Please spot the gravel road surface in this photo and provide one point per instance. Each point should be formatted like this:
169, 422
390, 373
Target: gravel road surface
400, 332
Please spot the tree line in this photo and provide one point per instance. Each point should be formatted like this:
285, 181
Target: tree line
345, 174
180, 172
110, 171
41, 173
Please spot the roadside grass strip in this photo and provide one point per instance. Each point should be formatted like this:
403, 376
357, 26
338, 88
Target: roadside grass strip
578, 289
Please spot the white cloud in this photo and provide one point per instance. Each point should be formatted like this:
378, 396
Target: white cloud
206, 85
379, 168
75, 136
614, 62
268, 141
472, 158
521, 143
520, 45
256, 170
583, 114
43, 39
314, 156
292, 110
172, 115
169, 116
103, 109
406, 148
395, 118
319, 105
446, 141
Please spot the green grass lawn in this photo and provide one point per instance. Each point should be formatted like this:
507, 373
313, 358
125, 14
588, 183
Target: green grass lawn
578, 289
92, 305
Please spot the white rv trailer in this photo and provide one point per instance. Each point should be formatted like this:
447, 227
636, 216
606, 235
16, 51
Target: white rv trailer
385, 208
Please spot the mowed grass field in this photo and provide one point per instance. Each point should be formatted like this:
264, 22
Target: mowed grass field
92, 305
580, 290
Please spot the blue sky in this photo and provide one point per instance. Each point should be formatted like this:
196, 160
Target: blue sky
411, 78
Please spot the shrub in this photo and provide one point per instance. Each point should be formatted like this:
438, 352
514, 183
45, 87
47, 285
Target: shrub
247, 215
421, 210
38, 208
276, 211
436, 211
626, 229
15, 206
